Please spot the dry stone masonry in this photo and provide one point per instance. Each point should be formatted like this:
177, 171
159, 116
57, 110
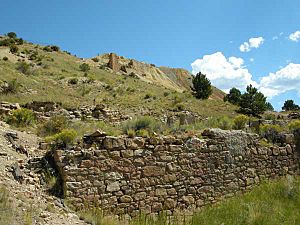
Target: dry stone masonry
45, 110
125, 175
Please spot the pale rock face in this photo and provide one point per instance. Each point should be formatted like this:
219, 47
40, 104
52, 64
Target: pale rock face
115, 186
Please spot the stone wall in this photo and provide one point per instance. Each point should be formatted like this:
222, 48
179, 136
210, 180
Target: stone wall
127, 175
45, 110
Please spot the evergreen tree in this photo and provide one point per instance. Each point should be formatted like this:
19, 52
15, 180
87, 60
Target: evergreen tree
269, 106
252, 102
201, 86
290, 105
234, 96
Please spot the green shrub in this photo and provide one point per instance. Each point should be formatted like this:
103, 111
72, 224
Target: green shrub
73, 81
84, 90
177, 99
263, 142
133, 75
19, 41
143, 133
179, 107
11, 35
222, 122
140, 123
21, 118
166, 94
84, 67
270, 132
11, 87
89, 126
13, 49
131, 133
63, 138
51, 48
33, 55
264, 128
148, 96
90, 79
54, 48
7, 42
240, 122
24, 68
53, 126
225, 123
294, 125
47, 49
270, 116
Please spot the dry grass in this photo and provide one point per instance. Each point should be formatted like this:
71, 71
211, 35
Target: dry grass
271, 203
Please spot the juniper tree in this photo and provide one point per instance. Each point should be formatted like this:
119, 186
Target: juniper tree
201, 86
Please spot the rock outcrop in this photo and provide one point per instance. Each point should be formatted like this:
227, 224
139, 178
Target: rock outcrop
113, 62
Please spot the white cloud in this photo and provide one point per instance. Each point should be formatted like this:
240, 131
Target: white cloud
225, 73
285, 79
236, 62
295, 36
252, 43
251, 59
222, 72
245, 47
256, 42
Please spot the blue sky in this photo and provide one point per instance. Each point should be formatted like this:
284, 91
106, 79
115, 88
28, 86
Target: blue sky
207, 34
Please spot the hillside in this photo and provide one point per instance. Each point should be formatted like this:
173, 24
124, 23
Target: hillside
135, 88
104, 139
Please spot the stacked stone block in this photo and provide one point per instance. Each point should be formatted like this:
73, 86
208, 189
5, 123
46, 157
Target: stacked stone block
125, 175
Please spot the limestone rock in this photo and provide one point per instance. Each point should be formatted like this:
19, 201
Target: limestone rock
113, 143
188, 200
126, 199
149, 171
170, 203
115, 186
